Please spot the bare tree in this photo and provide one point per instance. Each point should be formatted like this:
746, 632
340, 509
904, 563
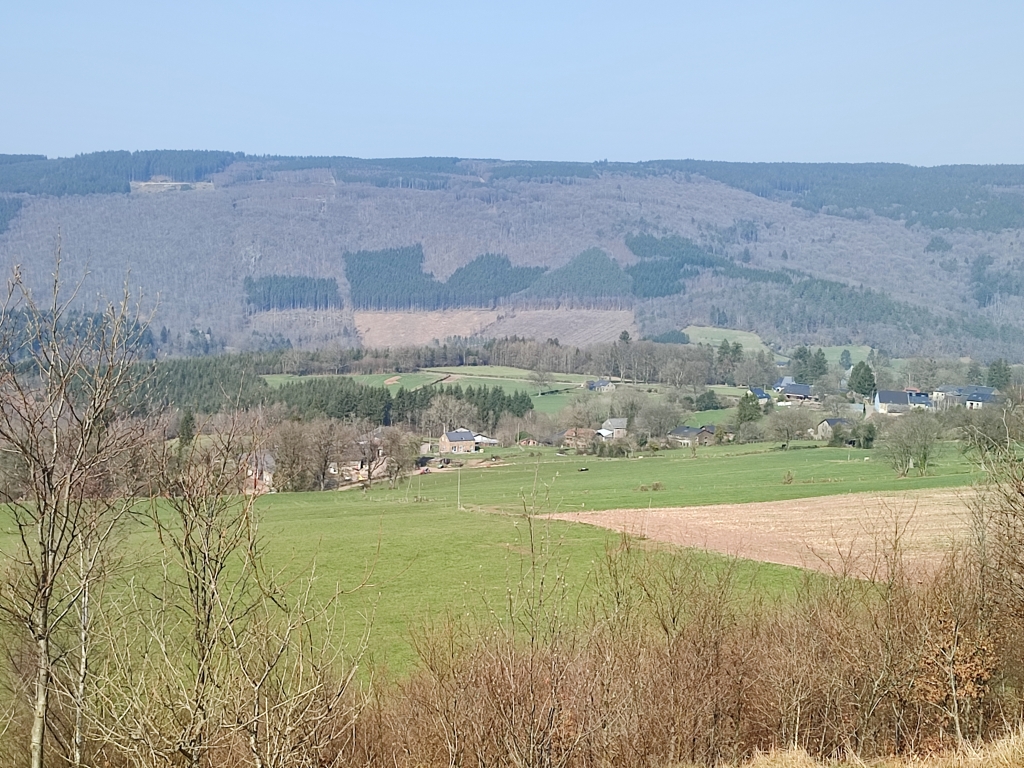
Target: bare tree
446, 413
910, 441
328, 439
66, 381
400, 452
789, 424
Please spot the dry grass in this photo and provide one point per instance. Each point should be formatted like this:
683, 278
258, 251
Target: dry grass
1004, 753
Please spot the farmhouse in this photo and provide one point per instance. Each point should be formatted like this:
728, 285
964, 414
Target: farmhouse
601, 385
826, 428
618, 427
887, 401
458, 441
684, 436
798, 393
762, 396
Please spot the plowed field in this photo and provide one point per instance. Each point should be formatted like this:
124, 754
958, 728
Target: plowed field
820, 533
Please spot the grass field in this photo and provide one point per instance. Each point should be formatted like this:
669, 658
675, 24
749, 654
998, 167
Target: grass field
435, 557
720, 416
506, 373
700, 334
858, 353
422, 556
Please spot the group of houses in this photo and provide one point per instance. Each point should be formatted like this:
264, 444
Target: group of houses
972, 397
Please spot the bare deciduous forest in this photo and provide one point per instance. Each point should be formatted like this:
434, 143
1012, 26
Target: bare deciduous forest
944, 283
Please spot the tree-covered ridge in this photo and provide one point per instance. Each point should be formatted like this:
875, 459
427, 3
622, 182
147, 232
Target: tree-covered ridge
394, 279
410, 172
107, 172
291, 292
984, 197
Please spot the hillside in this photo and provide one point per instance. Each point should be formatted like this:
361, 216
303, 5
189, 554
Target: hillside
257, 252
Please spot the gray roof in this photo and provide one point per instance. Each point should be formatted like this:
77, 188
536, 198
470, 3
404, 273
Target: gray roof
460, 435
890, 397
616, 423
798, 390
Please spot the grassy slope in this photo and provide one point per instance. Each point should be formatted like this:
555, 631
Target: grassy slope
422, 556
434, 557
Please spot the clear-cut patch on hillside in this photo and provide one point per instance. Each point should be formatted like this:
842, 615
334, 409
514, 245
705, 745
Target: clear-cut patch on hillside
576, 327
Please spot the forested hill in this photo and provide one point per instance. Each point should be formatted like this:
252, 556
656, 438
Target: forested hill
232, 249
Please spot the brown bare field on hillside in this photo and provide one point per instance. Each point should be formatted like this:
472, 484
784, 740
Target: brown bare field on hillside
403, 329
819, 533
573, 327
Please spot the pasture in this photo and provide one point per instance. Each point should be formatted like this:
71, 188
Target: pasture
701, 334
457, 540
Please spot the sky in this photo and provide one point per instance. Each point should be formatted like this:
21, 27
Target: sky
925, 83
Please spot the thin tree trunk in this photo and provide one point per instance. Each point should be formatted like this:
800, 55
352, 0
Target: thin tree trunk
42, 695
83, 672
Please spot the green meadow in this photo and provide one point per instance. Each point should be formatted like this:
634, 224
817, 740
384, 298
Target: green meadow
456, 541
459, 541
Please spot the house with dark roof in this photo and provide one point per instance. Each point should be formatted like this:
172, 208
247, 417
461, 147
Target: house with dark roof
458, 441
797, 392
684, 435
972, 397
762, 396
889, 401
601, 385
782, 383
826, 428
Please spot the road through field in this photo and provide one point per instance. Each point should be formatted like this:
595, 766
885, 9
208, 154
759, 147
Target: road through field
817, 533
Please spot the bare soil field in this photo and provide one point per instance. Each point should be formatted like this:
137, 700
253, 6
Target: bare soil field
820, 533
573, 327
402, 329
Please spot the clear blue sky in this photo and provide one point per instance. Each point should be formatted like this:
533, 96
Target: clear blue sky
917, 82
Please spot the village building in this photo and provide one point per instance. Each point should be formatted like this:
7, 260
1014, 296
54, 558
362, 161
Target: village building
826, 428
971, 397
458, 441
619, 427
892, 402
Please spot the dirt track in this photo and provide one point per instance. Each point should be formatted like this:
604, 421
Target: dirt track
810, 533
